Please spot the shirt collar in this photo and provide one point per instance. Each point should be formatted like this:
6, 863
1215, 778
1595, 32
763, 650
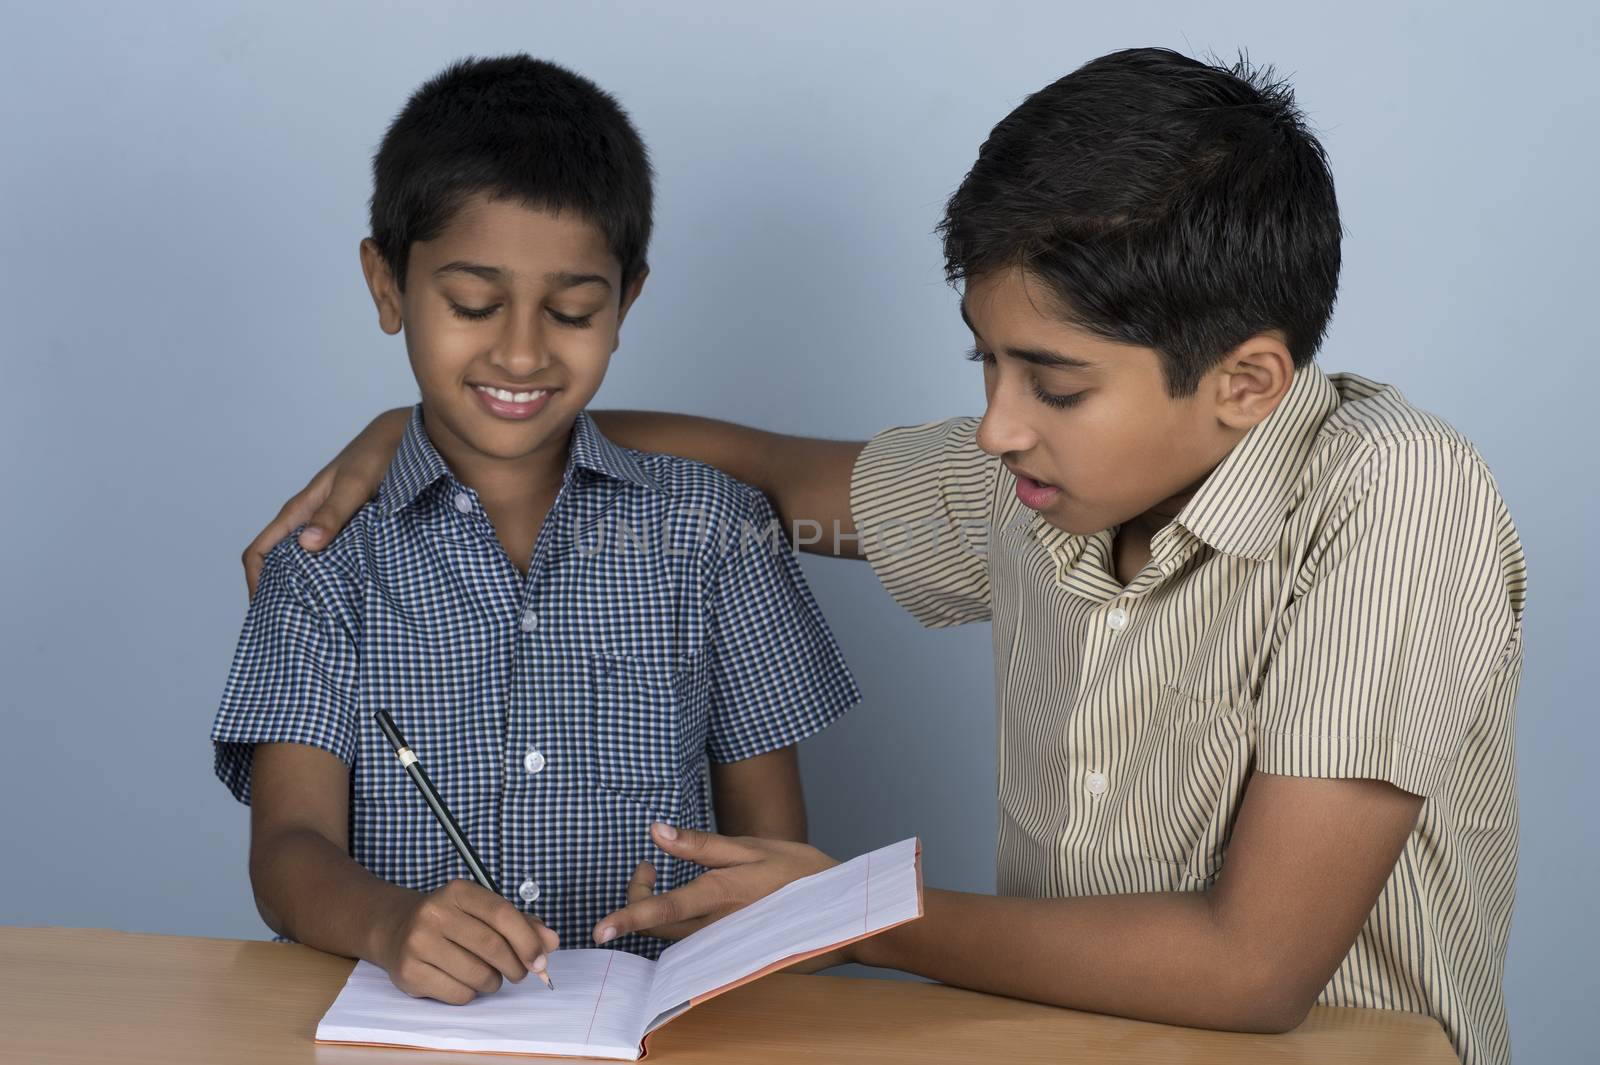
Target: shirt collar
418, 465
593, 452
1239, 508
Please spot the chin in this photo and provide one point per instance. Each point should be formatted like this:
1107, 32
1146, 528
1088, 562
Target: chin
1075, 522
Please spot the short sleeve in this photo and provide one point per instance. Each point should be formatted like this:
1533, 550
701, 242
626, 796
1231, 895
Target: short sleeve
1407, 627
776, 673
922, 498
293, 675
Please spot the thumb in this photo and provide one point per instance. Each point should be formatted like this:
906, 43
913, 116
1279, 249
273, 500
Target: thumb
703, 848
344, 495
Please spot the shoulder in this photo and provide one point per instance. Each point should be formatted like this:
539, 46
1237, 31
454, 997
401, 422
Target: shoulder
1379, 415
952, 441
1411, 483
925, 468
706, 514
687, 485
332, 576
1380, 441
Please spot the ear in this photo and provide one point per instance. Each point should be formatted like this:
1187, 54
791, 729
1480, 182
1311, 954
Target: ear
630, 294
381, 283
1251, 381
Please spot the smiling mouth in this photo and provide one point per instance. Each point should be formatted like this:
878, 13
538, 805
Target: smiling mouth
513, 406
507, 396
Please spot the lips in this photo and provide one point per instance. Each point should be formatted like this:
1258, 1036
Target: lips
512, 405
1034, 494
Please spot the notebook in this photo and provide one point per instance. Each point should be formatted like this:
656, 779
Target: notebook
607, 1002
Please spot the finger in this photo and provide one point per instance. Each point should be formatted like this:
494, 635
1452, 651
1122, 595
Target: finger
505, 921
420, 979
696, 899
486, 942
642, 884
348, 493
293, 514
289, 518
547, 935
464, 963
703, 848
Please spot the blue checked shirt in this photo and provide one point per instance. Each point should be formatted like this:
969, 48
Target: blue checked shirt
663, 624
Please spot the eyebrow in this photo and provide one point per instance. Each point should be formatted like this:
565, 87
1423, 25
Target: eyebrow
560, 279
1036, 356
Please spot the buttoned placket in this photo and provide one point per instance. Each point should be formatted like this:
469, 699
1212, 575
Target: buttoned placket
523, 755
1084, 566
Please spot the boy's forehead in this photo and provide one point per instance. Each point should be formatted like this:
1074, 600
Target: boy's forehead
1014, 298
1013, 308
516, 239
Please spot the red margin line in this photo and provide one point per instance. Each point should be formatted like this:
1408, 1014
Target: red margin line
603, 977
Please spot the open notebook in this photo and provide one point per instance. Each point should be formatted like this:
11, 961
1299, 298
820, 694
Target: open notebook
607, 1001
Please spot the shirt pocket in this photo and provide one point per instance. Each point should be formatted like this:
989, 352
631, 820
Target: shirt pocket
1190, 782
636, 718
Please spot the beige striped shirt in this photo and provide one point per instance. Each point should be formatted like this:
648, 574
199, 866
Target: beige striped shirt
1341, 598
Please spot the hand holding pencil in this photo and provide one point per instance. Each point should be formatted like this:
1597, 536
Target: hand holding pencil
459, 941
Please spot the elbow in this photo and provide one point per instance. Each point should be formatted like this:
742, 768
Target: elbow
1275, 1018
264, 906
263, 887
1274, 1001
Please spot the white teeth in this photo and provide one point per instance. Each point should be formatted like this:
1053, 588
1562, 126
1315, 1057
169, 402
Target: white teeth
510, 397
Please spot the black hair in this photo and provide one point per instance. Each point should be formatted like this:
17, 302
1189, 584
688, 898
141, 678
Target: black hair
1163, 202
514, 127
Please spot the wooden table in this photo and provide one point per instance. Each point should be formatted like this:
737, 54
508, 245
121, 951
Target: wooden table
73, 995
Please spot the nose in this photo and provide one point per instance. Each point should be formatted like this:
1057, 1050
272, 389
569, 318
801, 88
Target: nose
1003, 429
522, 350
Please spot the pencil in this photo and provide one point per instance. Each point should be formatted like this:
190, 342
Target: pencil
419, 777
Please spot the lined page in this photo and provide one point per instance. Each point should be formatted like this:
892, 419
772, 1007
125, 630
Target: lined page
597, 1010
864, 895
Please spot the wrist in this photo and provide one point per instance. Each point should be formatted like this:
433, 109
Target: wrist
870, 951
380, 918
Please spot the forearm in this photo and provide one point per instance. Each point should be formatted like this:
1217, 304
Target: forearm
310, 890
807, 480
761, 796
743, 453
784, 820
1156, 957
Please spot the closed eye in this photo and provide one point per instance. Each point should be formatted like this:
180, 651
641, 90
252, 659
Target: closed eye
579, 322
473, 314
1049, 399
1056, 400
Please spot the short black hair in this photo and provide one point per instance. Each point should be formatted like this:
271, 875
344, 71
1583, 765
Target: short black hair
1163, 202
518, 128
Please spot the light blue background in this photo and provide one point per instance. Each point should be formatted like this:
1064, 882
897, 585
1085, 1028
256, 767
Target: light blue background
186, 338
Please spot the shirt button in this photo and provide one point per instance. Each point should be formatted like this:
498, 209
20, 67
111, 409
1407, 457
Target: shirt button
530, 621
1117, 619
533, 761
1096, 783
528, 890
463, 502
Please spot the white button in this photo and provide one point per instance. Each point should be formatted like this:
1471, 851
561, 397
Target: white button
528, 890
1096, 783
1117, 619
533, 761
463, 502
530, 621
